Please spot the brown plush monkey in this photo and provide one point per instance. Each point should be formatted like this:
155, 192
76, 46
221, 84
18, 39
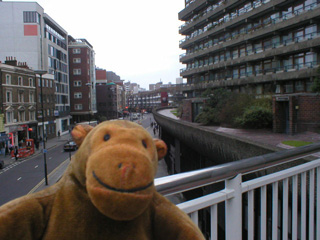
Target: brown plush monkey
107, 192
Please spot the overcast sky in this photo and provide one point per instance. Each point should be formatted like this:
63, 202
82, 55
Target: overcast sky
136, 39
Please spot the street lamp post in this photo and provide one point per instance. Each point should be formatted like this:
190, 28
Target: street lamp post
89, 94
41, 72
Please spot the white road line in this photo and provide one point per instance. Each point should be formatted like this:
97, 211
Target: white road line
19, 179
36, 166
50, 158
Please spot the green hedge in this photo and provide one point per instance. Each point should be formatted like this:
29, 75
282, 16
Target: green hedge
255, 117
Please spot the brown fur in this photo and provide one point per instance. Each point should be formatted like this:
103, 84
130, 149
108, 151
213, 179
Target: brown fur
107, 192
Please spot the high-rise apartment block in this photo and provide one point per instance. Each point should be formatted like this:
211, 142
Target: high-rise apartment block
262, 47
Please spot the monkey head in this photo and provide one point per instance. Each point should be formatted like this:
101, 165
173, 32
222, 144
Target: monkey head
117, 162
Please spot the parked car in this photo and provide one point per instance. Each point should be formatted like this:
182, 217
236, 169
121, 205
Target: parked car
70, 146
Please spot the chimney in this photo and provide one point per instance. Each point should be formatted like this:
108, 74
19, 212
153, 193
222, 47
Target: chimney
23, 65
11, 61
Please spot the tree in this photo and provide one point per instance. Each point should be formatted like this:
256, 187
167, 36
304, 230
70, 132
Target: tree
316, 84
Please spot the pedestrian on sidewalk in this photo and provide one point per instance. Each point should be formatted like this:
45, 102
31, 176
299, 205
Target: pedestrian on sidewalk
59, 134
36, 142
16, 153
154, 130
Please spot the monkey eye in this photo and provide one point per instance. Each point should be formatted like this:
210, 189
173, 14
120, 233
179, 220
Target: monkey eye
144, 143
106, 137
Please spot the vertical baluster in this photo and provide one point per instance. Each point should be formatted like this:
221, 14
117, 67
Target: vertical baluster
195, 218
295, 207
311, 205
285, 216
214, 221
275, 211
263, 217
234, 209
318, 205
251, 215
303, 205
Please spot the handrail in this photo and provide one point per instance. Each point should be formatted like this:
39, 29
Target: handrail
194, 179
267, 22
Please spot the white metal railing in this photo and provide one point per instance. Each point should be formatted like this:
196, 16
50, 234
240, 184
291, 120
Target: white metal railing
280, 205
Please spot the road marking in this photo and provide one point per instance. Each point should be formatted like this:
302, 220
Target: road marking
50, 158
36, 166
19, 179
42, 181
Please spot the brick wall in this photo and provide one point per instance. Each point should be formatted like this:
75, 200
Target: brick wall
303, 114
308, 113
187, 110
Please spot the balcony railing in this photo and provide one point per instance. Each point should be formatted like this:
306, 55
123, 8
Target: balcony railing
283, 204
273, 45
265, 23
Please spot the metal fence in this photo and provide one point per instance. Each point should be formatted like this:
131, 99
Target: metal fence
279, 205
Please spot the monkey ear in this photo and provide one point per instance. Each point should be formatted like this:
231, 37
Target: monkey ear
79, 132
161, 148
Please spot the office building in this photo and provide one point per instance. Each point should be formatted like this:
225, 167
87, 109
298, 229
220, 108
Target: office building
30, 35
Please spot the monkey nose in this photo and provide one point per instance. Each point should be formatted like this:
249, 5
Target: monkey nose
126, 169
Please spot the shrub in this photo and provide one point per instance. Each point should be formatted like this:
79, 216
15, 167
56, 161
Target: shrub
208, 116
234, 107
255, 117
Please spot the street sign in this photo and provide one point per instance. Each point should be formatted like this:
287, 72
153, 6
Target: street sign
45, 150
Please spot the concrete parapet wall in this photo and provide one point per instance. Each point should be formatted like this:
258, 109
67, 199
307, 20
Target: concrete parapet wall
217, 146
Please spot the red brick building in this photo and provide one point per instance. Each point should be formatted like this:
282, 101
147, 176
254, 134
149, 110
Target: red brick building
82, 80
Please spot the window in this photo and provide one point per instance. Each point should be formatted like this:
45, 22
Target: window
22, 116
31, 17
31, 97
288, 88
21, 97
8, 96
8, 79
299, 86
259, 89
9, 117
51, 84
77, 71
30, 82
39, 82
47, 83
20, 81
78, 106
76, 50
77, 83
32, 115
77, 60
77, 95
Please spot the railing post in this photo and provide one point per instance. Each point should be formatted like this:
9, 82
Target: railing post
234, 209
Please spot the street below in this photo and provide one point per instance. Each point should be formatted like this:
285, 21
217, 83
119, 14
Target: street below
22, 176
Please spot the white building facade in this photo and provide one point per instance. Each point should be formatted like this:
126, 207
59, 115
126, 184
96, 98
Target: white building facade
30, 35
